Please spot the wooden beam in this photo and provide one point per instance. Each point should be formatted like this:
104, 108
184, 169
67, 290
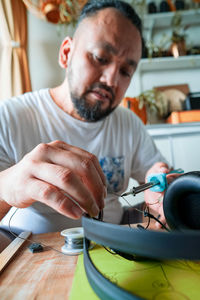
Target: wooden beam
7, 254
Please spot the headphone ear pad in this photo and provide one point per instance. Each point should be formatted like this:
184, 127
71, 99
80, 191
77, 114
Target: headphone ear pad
181, 202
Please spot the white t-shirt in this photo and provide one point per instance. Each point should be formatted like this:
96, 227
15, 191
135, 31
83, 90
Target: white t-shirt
120, 142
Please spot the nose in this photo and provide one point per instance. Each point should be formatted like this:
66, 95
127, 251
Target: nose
110, 76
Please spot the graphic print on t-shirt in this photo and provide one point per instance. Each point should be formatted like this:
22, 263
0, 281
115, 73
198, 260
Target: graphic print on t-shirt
113, 168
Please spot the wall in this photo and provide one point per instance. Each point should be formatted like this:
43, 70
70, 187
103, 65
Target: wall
169, 73
162, 78
44, 40
43, 46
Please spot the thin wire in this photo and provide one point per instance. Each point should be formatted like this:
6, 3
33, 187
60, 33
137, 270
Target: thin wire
29, 240
110, 251
100, 218
141, 211
149, 219
128, 210
156, 219
145, 213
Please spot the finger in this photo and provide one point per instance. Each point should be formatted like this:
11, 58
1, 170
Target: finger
82, 163
171, 177
67, 181
50, 195
164, 168
85, 168
84, 153
159, 167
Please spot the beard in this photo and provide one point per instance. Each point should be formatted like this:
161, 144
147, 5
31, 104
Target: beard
85, 109
90, 112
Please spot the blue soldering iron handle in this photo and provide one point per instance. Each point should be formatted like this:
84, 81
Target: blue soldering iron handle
161, 178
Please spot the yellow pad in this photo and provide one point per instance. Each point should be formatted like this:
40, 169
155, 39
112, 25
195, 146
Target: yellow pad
148, 279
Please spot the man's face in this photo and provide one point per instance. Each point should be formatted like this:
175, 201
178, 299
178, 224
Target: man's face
103, 57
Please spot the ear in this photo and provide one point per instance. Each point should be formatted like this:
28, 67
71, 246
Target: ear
64, 52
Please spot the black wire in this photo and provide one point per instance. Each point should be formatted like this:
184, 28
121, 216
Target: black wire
109, 250
141, 211
147, 214
28, 239
149, 219
100, 216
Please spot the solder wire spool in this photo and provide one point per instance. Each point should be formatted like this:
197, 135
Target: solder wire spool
73, 241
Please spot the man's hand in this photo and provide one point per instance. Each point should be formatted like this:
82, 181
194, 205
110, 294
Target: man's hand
66, 178
154, 200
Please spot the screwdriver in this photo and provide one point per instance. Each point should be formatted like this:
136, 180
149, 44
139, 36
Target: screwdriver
156, 182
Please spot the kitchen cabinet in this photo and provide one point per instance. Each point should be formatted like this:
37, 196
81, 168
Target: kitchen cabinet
179, 143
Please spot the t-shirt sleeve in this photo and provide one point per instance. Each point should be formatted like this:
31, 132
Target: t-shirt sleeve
6, 159
146, 153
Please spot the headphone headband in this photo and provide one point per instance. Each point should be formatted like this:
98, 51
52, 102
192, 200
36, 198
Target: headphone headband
146, 243
185, 244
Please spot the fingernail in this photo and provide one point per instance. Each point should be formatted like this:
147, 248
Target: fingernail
94, 209
77, 211
102, 204
163, 169
105, 191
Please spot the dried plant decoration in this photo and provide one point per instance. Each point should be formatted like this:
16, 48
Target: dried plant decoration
56, 11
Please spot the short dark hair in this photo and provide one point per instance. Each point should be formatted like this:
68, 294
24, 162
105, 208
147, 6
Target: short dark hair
93, 6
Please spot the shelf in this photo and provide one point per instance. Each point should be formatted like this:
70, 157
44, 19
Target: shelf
161, 130
162, 20
169, 63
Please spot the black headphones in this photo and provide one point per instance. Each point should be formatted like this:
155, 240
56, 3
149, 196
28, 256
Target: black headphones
182, 202
181, 205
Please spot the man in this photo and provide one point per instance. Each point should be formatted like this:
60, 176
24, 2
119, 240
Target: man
72, 149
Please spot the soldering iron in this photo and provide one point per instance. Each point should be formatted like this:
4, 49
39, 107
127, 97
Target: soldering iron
155, 182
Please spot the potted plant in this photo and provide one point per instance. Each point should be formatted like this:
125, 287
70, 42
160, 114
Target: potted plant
178, 37
155, 104
151, 106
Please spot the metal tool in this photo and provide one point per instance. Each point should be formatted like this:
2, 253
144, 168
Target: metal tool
140, 188
156, 182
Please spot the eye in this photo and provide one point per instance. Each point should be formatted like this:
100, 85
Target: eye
101, 59
125, 73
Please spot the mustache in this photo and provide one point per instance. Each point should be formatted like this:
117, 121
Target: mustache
101, 86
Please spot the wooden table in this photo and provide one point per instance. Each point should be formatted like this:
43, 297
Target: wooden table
44, 275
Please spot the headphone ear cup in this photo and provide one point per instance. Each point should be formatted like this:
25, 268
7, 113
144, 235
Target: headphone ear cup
181, 202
